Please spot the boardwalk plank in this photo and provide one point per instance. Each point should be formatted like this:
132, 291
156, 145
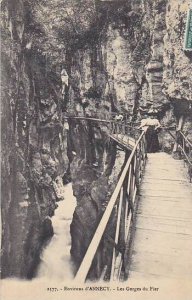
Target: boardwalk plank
163, 231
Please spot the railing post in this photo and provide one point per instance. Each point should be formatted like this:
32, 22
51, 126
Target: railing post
117, 233
183, 143
110, 127
122, 236
124, 132
138, 165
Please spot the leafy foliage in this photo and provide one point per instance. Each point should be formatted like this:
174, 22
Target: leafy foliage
60, 23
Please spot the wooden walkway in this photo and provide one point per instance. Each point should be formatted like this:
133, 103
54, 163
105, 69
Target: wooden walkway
162, 245
125, 140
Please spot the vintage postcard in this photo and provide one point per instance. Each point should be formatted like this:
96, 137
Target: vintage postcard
96, 149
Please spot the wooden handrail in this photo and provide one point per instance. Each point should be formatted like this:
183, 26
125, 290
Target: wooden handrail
91, 251
115, 126
121, 123
87, 118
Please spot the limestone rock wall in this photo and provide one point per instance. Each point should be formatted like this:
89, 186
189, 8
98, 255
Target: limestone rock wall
130, 68
177, 79
34, 147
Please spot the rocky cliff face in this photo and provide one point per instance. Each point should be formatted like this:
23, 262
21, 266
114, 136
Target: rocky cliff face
128, 59
132, 66
177, 70
33, 146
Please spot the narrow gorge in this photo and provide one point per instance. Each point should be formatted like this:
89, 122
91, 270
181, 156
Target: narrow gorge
120, 57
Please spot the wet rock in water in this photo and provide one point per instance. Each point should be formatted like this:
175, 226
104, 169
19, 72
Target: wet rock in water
66, 178
47, 230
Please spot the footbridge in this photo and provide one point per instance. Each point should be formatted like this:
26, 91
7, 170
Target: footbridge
151, 208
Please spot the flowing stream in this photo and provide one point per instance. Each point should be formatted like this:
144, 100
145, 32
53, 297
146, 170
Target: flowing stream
56, 262
56, 265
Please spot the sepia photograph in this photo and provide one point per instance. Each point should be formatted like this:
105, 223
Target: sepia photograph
96, 149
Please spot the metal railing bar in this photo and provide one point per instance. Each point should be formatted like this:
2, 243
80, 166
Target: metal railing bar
117, 271
118, 123
186, 139
186, 156
103, 273
181, 145
129, 180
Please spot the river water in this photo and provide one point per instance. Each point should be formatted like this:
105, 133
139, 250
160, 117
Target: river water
55, 258
55, 268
